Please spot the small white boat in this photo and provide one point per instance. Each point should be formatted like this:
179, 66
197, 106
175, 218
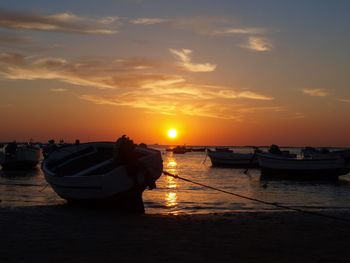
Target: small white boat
318, 167
103, 173
20, 156
232, 159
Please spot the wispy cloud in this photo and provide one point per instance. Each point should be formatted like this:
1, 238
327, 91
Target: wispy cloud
253, 95
138, 83
185, 98
260, 44
218, 26
58, 89
184, 55
240, 31
343, 100
168, 106
61, 22
85, 72
108, 20
316, 92
203, 25
147, 21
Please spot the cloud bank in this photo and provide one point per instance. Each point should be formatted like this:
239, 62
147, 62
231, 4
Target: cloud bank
137, 83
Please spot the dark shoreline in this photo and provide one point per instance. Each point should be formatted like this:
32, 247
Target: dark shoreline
62, 233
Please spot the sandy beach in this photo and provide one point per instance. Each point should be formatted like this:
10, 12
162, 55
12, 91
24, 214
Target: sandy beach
72, 234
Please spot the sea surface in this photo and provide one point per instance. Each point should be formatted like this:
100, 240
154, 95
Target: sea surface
176, 196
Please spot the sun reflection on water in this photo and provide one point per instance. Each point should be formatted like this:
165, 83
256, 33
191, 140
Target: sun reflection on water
171, 183
170, 199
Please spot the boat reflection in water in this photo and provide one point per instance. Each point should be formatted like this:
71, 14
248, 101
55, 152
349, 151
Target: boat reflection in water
171, 183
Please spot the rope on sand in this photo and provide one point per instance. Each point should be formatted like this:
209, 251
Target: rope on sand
258, 200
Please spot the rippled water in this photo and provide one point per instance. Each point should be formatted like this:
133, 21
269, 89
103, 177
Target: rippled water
176, 196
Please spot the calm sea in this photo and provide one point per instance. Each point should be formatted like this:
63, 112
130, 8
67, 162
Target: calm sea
174, 196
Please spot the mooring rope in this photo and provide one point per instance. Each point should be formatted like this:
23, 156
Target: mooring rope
205, 158
258, 200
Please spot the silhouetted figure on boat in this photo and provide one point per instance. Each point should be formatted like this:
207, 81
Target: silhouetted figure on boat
11, 149
274, 149
50, 147
124, 154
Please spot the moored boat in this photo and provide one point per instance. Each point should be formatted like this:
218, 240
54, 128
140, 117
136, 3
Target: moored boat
20, 157
232, 159
104, 173
180, 150
345, 154
199, 149
320, 167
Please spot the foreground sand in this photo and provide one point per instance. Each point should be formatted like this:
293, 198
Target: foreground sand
69, 234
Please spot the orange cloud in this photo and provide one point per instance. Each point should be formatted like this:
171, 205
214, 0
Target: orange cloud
184, 55
260, 44
316, 92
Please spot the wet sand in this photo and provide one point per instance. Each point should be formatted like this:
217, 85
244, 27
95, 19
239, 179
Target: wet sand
70, 234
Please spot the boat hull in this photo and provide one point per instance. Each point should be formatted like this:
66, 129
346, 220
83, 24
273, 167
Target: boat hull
320, 168
116, 185
229, 159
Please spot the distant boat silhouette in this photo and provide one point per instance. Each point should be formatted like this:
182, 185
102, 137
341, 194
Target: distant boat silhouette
19, 156
180, 150
198, 149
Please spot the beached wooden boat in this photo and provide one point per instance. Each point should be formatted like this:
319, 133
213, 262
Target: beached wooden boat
19, 157
320, 167
103, 173
232, 159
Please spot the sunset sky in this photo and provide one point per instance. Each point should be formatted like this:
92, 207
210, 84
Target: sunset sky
220, 72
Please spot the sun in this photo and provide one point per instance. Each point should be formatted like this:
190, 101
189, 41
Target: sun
172, 133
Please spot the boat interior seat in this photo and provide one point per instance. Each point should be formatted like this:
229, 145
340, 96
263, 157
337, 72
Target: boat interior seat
83, 162
98, 168
77, 154
72, 157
